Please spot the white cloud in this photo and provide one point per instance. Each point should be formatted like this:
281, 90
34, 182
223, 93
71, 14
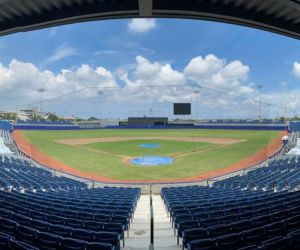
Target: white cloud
216, 73
20, 80
105, 52
296, 69
60, 53
145, 84
141, 25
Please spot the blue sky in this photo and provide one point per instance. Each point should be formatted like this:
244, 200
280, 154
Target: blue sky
125, 53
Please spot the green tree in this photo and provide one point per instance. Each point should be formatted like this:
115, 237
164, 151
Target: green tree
53, 117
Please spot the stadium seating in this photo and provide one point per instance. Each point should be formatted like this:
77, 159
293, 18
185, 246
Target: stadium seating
259, 208
282, 174
18, 174
43, 122
42, 211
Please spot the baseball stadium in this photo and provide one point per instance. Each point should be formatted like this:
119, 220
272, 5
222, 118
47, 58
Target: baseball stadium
149, 124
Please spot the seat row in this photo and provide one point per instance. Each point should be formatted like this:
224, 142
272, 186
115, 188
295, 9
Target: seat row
247, 230
30, 235
248, 240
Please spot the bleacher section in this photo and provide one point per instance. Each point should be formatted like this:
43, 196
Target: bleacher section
5, 125
255, 121
46, 125
241, 212
19, 175
282, 174
48, 212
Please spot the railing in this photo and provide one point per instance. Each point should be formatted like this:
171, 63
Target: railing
151, 246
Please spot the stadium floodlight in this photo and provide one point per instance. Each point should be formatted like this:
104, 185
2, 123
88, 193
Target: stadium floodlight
197, 93
100, 93
41, 90
259, 87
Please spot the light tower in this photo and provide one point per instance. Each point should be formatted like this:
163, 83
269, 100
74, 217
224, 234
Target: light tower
41, 90
197, 93
100, 93
259, 87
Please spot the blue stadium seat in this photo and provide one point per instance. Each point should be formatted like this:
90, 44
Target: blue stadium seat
207, 244
39, 225
55, 219
229, 241
93, 225
8, 226
21, 219
72, 244
275, 229
99, 246
193, 234
17, 245
218, 230
253, 236
295, 239
102, 217
5, 240
26, 234
82, 234
48, 241
108, 237
60, 230
278, 243
73, 222
292, 223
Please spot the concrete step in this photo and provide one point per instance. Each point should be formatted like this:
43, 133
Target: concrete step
139, 235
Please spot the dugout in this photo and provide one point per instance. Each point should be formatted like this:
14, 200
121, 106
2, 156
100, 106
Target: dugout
147, 121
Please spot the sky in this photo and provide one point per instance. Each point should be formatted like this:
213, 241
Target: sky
130, 67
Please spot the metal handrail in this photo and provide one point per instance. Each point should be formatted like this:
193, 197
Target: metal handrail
151, 246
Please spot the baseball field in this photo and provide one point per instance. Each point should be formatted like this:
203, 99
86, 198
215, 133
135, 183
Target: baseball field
108, 153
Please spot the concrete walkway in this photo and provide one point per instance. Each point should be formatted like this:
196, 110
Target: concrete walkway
139, 236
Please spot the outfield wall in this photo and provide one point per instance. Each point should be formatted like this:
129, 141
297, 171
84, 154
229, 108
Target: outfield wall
277, 127
45, 127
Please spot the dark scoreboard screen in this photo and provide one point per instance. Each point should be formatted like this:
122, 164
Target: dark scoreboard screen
182, 108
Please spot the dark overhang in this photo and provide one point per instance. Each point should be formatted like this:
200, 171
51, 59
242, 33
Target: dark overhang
280, 16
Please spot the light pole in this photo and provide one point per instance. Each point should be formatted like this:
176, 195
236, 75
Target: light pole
196, 93
100, 93
259, 87
41, 90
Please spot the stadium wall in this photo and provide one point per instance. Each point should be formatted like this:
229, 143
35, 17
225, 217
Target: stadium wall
45, 127
173, 126
210, 126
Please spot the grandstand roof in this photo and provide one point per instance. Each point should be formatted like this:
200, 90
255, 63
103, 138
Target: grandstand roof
280, 16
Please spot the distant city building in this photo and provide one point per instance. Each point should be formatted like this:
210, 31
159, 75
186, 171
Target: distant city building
27, 114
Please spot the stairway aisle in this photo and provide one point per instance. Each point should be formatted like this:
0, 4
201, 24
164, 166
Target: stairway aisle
164, 238
139, 235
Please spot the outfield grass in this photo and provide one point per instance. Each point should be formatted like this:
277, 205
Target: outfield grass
191, 158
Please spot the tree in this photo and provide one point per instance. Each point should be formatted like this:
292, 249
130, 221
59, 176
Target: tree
53, 117
92, 118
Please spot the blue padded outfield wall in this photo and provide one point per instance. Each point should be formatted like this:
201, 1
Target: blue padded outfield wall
45, 127
278, 127
5, 125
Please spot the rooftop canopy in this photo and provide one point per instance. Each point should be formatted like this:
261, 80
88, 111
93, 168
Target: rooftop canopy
280, 16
